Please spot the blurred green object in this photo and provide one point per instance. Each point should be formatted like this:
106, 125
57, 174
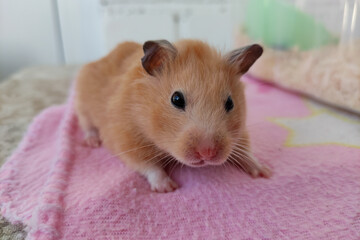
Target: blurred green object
279, 24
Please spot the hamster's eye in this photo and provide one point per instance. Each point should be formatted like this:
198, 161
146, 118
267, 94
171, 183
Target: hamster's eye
229, 104
178, 100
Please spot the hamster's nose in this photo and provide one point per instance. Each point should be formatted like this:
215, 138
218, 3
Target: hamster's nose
206, 153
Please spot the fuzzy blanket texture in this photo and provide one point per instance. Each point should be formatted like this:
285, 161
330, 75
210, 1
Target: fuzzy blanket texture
63, 190
329, 73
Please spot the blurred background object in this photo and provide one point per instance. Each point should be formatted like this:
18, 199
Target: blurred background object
304, 24
309, 46
55, 32
29, 35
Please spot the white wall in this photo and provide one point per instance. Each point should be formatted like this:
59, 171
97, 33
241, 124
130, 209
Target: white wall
91, 28
28, 34
82, 33
47, 32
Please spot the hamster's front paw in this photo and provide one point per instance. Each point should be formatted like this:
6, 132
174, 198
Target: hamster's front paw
163, 185
158, 179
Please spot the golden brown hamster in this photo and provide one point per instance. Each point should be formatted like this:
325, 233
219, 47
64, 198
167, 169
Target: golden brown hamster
158, 102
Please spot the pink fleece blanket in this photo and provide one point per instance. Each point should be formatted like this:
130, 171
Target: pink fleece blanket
63, 190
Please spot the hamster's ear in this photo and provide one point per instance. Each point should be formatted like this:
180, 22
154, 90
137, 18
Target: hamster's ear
243, 58
156, 54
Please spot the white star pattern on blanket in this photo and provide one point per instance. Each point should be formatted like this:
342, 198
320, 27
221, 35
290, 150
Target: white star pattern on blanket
323, 126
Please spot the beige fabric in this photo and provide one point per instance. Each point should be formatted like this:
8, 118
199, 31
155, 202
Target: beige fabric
22, 96
330, 73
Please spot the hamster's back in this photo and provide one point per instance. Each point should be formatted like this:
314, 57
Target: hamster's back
97, 80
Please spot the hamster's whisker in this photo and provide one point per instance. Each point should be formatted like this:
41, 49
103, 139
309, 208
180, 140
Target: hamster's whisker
166, 163
169, 160
223, 165
134, 149
243, 138
236, 131
241, 149
237, 163
241, 145
246, 157
240, 139
155, 159
181, 168
131, 150
174, 166
240, 163
152, 153
226, 163
239, 133
156, 156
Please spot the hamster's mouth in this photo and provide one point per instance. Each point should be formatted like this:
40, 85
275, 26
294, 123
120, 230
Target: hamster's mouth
201, 163
192, 160
197, 163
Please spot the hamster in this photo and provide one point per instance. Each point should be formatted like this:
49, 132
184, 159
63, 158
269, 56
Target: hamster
158, 102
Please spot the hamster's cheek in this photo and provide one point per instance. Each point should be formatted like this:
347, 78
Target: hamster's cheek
236, 122
164, 120
180, 147
166, 127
